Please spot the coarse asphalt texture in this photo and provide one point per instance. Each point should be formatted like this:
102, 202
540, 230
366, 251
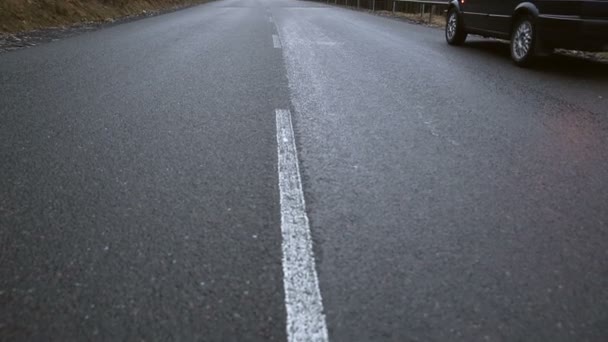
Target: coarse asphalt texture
451, 195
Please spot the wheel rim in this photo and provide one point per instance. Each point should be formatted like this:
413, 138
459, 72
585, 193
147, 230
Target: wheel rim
451, 27
522, 40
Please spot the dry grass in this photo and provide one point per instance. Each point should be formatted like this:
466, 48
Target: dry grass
24, 15
437, 20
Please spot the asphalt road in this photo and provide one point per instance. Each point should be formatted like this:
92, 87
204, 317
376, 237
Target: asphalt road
451, 195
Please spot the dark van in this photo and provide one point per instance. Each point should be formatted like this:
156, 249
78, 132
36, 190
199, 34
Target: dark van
534, 27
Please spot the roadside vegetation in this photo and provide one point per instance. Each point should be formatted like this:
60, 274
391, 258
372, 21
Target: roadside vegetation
25, 15
437, 20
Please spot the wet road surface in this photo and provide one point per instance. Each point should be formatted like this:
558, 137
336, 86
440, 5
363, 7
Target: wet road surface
450, 196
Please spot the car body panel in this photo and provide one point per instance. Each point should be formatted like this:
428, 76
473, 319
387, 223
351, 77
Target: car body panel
473, 15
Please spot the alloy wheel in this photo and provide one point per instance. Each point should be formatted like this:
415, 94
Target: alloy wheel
522, 40
452, 23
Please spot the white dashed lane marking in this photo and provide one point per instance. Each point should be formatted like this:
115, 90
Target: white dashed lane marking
305, 318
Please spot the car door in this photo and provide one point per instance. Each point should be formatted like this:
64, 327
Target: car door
473, 15
499, 16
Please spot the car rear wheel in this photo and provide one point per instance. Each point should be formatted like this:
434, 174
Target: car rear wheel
454, 30
523, 41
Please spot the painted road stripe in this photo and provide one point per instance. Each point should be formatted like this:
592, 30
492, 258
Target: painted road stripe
276, 41
305, 318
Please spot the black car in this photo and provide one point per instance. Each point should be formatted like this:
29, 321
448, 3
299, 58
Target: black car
534, 27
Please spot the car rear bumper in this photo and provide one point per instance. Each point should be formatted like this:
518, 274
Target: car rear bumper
573, 32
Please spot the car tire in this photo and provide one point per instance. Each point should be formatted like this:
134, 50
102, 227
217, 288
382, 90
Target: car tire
523, 41
454, 30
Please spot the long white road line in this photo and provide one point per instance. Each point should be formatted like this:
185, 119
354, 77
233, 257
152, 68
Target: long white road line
305, 318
